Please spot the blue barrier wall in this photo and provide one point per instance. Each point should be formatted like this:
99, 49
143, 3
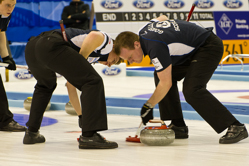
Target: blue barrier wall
31, 17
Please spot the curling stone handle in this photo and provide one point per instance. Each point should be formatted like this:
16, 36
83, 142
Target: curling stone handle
157, 121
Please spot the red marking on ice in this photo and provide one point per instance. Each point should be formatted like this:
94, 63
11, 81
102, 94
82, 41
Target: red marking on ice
244, 97
73, 131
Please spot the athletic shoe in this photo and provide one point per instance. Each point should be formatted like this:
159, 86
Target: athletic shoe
180, 132
33, 137
234, 134
14, 127
96, 142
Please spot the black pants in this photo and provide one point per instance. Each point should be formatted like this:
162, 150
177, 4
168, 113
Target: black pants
196, 75
46, 55
5, 115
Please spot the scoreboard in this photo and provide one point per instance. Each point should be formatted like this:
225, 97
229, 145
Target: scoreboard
147, 16
115, 16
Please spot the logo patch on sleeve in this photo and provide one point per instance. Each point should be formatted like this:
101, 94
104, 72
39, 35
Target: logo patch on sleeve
157, 64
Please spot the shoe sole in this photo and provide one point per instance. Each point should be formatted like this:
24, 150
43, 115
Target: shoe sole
89, 146
243, 136
30, 143
181, 137
12, 130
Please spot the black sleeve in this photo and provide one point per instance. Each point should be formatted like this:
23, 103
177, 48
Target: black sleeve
64, 15
81, 16
4, 22
103, 57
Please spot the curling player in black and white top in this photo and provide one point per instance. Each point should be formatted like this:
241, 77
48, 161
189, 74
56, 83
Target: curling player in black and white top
48, 54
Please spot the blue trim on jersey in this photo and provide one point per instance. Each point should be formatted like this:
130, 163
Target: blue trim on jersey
155, 40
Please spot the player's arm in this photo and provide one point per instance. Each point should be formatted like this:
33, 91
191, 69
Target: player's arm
161, 90
92, 41
163, 86
3, 47
73, 97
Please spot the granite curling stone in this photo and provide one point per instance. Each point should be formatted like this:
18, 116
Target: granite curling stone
157, 136
27, 104
69, 109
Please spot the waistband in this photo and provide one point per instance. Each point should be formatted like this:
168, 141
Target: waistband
51, 33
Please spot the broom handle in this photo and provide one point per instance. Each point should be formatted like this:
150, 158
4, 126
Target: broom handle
139, 129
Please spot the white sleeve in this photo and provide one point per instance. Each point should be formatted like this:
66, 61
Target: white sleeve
106, 46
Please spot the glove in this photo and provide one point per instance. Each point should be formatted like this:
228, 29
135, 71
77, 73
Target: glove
11, 62
146, 113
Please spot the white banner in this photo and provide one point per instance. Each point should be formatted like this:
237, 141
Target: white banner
115, 16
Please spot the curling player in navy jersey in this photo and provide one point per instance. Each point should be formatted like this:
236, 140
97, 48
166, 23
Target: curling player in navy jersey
181, 50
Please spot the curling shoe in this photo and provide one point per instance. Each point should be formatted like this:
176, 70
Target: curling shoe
234, 134
33, 137
180, 132
14, 127
96, 142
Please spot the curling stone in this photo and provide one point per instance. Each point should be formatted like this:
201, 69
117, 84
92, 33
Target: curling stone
157, 136
27, 104
69, 109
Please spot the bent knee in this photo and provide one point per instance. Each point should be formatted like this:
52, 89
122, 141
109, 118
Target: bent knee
191, 94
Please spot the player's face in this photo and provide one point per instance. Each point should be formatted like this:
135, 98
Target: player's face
7, 7
135, 55
112, 59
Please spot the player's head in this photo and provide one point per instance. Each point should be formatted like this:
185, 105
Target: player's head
7, 7
127, 46
113, 59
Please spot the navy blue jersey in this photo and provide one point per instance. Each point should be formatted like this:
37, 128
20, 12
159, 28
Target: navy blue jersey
171, 42
76, 38
4, 22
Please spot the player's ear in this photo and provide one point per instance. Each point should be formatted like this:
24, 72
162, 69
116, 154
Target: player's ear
136, 44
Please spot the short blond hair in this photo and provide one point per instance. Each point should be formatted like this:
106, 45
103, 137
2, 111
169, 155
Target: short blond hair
125, 39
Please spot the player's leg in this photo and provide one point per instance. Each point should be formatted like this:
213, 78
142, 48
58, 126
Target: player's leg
170, 106
46, 83
7, 123
200, 71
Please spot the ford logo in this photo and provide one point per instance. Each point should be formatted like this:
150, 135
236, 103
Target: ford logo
174, 4
204, 4
232, 4
111, 71
23, 74
111, 4
143, 4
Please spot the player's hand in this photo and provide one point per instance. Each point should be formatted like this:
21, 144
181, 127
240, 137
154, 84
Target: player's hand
146, 114
10, 61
